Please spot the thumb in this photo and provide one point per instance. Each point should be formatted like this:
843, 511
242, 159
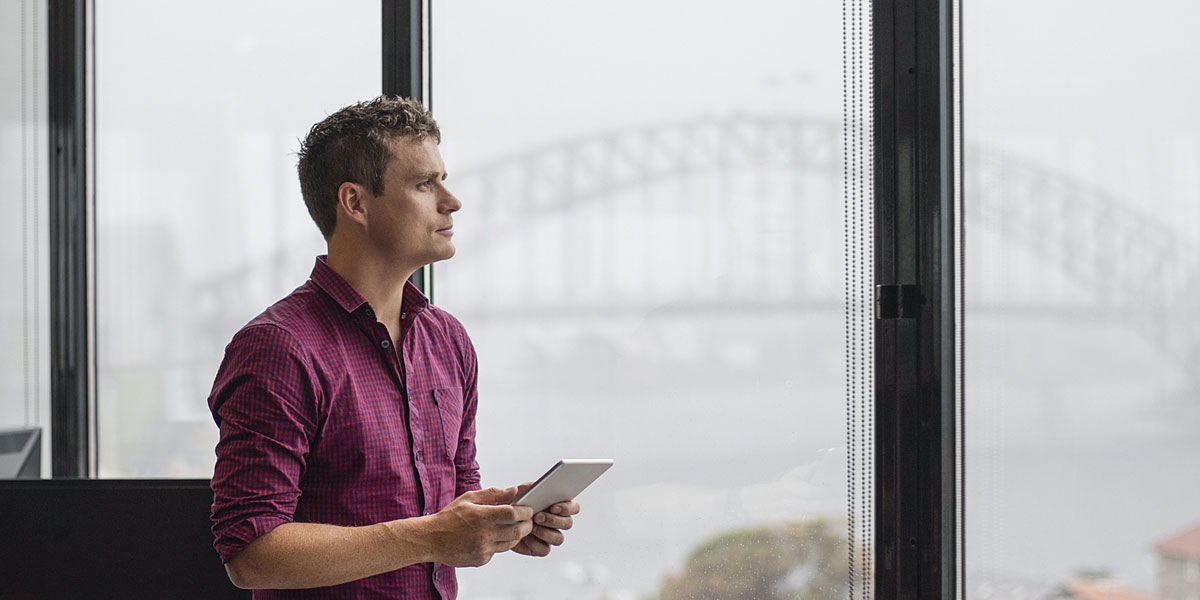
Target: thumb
493, 496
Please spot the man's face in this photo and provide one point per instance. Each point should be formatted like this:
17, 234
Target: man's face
411, 221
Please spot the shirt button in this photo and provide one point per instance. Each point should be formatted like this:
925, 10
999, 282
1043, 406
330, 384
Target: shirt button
418, 456
386, 344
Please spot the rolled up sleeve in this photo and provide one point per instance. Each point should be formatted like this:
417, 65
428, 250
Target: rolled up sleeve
263, 401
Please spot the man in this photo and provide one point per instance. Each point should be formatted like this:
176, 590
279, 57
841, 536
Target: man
346, 461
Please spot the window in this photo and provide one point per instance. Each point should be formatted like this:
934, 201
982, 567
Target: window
651, 258
200, 224
1082, 175
24, 314
650, 263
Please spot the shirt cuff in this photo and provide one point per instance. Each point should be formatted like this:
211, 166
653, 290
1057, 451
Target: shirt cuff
237, 536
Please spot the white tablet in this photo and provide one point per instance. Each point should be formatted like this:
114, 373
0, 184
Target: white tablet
563, 482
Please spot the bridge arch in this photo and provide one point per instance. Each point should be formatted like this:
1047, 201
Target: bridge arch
1128, 261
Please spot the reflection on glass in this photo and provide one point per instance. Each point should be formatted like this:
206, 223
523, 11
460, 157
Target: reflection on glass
1082, 177
24, 308
199, 218
650, 265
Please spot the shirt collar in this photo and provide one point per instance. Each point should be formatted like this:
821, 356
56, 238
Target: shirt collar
349, 299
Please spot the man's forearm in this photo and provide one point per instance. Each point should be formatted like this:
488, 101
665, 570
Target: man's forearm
308, 555
467, 532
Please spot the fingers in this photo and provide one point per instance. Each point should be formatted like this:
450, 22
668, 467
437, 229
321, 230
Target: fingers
567, 508
498, 513
492, 496
539, 543
533, 546
553, 521
507, 538
511, 514
507, 524
506, 527
558, 516
552, 537
524, 528
478, 524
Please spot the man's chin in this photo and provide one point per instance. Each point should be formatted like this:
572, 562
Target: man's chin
446, 254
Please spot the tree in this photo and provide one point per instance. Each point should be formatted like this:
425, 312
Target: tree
803, 559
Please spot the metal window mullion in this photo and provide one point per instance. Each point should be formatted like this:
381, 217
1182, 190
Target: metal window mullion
917, 437
70, 326
406, 72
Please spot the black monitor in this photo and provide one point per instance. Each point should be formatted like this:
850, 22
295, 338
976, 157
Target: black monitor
21, 453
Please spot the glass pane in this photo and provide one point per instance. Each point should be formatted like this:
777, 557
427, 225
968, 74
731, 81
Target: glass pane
200, 224
24, 305
650, 265
1083, 259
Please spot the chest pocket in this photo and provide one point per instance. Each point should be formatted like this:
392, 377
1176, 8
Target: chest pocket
450, 409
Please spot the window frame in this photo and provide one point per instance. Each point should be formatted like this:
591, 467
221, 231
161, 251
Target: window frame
918, 239
918, 235
72, 207
71, 324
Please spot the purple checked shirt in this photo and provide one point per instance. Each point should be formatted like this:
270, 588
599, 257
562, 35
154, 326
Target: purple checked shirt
322, 423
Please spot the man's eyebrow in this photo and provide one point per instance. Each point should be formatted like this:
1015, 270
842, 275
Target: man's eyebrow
423, 175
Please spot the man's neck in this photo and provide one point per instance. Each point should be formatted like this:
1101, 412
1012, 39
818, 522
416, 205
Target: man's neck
380, 283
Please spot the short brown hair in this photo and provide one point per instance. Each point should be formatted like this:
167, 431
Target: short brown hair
352, 145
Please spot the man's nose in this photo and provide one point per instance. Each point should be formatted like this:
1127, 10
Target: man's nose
450, 202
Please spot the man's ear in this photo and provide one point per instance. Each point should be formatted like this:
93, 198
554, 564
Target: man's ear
352, 202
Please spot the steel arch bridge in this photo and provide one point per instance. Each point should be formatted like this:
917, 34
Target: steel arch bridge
530, 205
1129, 262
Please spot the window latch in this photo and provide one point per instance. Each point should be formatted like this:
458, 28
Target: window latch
897, 301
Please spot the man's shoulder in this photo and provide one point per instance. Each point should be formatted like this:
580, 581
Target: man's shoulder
443, 317
302, 318
448, 328
446, 322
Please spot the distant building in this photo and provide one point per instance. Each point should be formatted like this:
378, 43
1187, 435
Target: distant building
1097, 589
1179, 566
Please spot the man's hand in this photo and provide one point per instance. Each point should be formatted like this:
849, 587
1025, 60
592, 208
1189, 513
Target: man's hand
548, 527
477, 525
